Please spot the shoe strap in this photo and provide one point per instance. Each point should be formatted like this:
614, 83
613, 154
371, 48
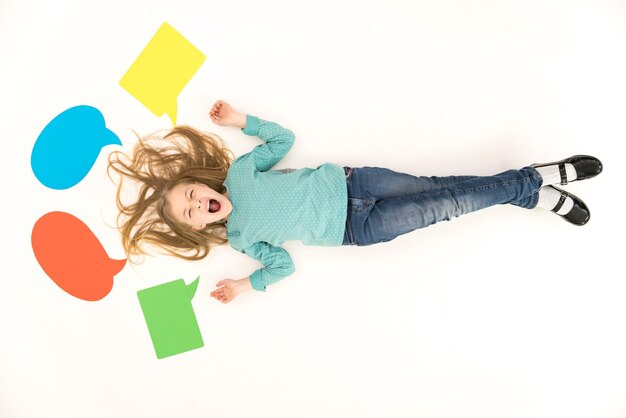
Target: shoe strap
563, 174
559, 205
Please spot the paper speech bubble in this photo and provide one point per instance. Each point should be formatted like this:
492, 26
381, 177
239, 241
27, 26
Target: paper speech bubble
170, 317
162, 70
68, 146
73, 257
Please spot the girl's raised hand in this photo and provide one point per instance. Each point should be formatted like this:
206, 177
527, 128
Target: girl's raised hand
224, 115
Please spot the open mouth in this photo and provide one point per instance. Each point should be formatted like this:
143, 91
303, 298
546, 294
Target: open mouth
214, 206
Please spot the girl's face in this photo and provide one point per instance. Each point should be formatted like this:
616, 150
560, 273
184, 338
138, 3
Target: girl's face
196, 204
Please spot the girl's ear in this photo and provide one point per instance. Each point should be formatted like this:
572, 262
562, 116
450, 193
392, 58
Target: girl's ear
198, 227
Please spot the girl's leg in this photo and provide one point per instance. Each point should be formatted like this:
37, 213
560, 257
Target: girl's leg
384, 204
528, 202
383, 183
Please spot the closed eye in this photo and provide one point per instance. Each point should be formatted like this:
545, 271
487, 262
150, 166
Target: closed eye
190, 197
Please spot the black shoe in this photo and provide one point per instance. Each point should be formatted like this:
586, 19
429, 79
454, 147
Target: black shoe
586, 167
579, 215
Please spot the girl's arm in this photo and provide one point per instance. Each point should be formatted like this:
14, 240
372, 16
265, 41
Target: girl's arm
278, 140
278, 265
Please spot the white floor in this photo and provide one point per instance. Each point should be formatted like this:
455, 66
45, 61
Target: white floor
501, 313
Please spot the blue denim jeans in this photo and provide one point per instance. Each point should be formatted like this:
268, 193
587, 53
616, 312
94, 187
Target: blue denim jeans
383, 204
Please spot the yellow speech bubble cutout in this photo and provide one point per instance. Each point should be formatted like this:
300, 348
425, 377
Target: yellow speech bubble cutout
162, 70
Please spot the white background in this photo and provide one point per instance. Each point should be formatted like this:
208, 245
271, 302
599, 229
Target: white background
501, 313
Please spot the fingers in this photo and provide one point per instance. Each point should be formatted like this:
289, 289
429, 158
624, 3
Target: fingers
214, 116
223, 299
214, 113
224, 294
221, 295
217, 106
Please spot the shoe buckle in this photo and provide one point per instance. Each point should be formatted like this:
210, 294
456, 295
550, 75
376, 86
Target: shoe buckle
563, 174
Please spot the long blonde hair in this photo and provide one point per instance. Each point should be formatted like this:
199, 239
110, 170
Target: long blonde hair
158, 163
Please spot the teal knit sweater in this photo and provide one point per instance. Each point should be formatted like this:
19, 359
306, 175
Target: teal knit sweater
274, 206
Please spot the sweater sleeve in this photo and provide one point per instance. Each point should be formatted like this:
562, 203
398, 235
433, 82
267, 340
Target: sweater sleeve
277, 262
278, 142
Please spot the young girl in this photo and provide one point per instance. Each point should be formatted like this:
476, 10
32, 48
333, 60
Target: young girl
193, 196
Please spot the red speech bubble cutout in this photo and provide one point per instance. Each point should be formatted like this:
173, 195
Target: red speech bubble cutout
73, 257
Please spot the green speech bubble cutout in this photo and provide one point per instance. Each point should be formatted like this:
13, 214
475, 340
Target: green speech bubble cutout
170, 317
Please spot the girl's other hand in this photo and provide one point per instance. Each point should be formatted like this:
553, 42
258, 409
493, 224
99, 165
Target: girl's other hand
230, 289
227, 291
224, 115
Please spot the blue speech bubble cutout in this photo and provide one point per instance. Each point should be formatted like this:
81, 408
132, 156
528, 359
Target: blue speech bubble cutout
69, 145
